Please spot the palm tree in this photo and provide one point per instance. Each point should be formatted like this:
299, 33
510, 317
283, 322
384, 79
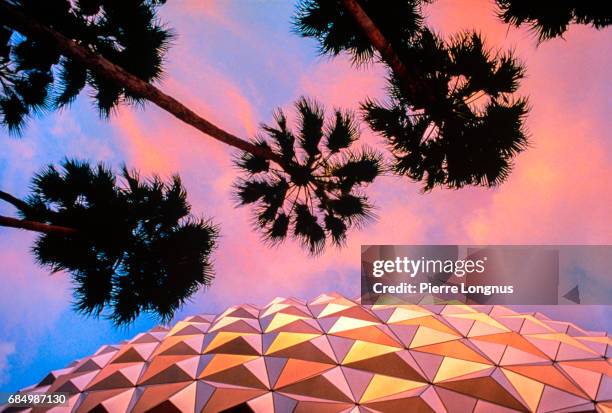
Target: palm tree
130, 248
92, 61
356, 27
343, 25
126, 32
551, 19
471, 131
451, 118
86, 43
57, 47
317, 196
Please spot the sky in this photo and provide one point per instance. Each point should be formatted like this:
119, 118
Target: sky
235, 62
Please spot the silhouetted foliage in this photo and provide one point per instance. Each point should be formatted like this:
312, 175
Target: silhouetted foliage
471, 127
317, 194
459, 123
336, 31
551, 18
34, 76
137, 248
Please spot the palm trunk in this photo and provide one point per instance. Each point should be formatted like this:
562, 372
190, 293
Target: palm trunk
35, 226
408, 80
13, 17
16, 202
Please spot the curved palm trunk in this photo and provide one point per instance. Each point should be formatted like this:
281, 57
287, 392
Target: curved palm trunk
13, 17
35, 226
16, 202
407, 79
27, 224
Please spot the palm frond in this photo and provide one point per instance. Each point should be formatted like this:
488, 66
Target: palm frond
449, 140
137, 248
308, 230
357, 168
342, 132
253, 163
336, 31
311, 126
552, 20
36, 76
283, 139
308, 195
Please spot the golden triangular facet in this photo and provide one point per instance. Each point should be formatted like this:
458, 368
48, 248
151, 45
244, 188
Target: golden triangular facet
452, 367
362, 350
383, 386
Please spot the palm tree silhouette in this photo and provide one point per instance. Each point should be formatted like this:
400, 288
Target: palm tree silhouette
317, 196
451, 118
51, 50
550, 19
130, 248
37, 76
471, 130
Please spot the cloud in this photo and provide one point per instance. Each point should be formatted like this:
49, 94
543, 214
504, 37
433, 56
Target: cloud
234, 72
30, 305
340, 84
556, 193
212, 12
6, 349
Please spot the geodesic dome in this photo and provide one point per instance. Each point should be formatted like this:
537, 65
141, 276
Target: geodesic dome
335, 355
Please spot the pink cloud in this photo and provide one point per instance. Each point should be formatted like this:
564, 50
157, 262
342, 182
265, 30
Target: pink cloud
339, 84
537, 191
556, 193
559, 191
24, 283
213, 12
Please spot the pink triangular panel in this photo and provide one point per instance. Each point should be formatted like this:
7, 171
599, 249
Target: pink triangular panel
485, 407
548, 347
324, 346
462, 325
483, 329
554, 399
120, 402
258, 368
336, 378
569, 352
433, 400
274, 367
429, 363
357, 380
587, 380
384, 313
456, 402
404, 333
605, 389
514, 356
262, 404
530, 327
514, 323
340, 346
493, 351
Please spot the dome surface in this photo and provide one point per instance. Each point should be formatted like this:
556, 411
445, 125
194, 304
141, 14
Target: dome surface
334, 355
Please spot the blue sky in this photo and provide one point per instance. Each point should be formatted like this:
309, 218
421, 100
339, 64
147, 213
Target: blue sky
235, 62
